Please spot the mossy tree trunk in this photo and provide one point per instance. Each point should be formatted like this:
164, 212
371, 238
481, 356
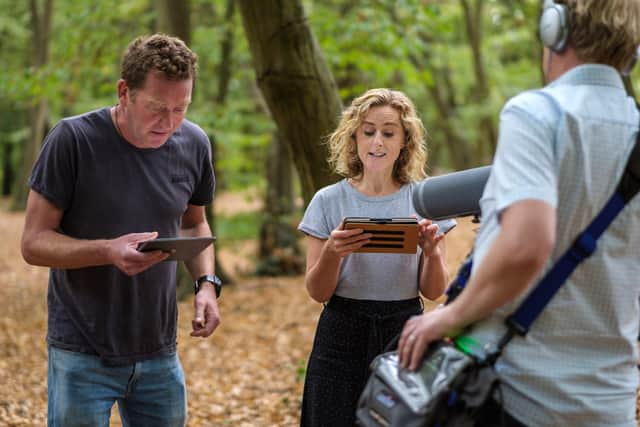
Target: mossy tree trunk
296, 84
173, 18
41, 16
279, 252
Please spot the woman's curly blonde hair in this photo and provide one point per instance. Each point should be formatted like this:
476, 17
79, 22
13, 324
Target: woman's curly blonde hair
343, 150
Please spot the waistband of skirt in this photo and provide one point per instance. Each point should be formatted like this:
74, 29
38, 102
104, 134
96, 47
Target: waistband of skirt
374, 308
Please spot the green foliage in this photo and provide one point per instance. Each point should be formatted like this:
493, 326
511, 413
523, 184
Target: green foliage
14, 48
85, 49
412, 45
241, 226
301, 370
240, 127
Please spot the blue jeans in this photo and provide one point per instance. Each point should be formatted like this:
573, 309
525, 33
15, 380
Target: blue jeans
82, 391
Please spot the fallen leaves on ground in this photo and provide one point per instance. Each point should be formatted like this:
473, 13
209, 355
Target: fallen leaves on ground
248, 374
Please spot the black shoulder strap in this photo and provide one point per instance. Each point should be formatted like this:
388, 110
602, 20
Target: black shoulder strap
630, 182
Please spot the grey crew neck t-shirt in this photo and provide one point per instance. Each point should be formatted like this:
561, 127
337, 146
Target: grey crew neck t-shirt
372, 276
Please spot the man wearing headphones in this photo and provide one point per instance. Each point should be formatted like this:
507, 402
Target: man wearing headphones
561, 152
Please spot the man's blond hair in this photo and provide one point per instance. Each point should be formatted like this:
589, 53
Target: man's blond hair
604, 31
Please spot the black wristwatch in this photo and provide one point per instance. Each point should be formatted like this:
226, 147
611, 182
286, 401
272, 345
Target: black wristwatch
211, 278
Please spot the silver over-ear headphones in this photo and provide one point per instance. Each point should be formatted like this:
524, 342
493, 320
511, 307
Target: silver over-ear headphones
554, 25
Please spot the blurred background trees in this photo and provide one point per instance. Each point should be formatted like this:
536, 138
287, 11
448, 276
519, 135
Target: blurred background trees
273, 77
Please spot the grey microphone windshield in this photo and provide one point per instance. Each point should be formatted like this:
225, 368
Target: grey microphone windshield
452, 195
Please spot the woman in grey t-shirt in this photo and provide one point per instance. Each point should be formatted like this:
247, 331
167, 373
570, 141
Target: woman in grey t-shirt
379, 148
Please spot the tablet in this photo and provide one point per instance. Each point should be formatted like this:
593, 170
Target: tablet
179, 248
390, 235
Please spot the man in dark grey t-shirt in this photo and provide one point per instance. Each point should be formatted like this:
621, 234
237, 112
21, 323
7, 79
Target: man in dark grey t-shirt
104, 182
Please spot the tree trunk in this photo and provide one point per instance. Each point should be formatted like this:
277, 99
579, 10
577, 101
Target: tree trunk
8, 172
39, 111
296, 84
224, 68
487, 140
279, 252
173, 18
442, 92
224, 77
221, 272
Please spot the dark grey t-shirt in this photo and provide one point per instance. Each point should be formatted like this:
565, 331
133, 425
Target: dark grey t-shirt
106, 188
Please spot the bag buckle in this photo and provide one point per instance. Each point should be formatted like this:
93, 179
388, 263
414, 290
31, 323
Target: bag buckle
583, 247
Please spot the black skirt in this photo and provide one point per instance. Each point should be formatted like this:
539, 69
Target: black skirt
350, 334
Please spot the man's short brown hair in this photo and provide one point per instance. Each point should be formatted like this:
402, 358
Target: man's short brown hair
167, 55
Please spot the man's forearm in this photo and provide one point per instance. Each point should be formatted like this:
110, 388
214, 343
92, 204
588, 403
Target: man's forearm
494, 284
204, 262
510, 264
49, 248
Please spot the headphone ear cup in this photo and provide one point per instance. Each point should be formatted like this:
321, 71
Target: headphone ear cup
554, 26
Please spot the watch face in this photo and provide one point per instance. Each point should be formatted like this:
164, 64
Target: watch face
213, 279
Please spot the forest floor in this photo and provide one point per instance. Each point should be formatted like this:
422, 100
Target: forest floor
249, 373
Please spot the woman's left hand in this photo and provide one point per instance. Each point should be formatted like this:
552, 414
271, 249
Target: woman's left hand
428, 237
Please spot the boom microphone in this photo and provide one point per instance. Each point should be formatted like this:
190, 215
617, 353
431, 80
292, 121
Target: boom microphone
452, 195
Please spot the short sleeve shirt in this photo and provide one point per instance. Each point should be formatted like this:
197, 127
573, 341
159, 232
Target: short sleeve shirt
567, 145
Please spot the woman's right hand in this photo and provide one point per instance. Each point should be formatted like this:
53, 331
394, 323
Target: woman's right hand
344, 242
324, 258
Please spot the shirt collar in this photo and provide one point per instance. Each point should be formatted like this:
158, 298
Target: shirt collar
590, 74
